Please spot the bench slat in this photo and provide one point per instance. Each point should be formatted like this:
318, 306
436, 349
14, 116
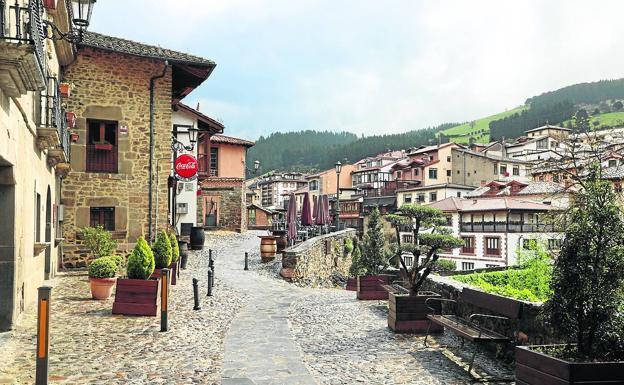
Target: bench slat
464, 329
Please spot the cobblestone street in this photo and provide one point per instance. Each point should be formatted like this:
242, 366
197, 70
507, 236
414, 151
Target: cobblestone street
256, 329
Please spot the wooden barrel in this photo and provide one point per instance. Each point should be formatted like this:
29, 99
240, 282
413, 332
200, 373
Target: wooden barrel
197, 238
268, 248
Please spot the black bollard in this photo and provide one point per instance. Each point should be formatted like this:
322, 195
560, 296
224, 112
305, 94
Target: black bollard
196, 294
211, 264
246, 261
209, 283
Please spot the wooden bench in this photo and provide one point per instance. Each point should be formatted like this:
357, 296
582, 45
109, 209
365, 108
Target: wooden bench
470, 328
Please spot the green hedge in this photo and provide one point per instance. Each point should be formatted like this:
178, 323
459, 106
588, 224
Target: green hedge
530, 283
103, 267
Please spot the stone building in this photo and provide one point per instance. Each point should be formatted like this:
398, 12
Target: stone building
113, 78
222, 167
34, 153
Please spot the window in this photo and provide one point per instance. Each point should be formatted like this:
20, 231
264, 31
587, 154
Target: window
468, 247
421, 197
433, 196
448, 172
433, 173
415, 172
503, 170
516, 170
431, 158
526, 243
101, 146
314, 185
492, 246
103, 216
448, 158
555, 178
37, 217
612, 162
495, 169
407, 198
399, 174
449, 220
554, 244
459, 194
542, 143
467, 265
408, 260
214, 161
488, 265
408, 238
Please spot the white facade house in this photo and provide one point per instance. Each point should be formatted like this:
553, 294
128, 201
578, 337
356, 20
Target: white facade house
494, 229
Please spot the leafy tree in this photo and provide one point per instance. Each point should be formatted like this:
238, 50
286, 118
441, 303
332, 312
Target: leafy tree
596, 111
356, 268
581, 114
141, 261
425, 244
162, 251
99, 241
374, 258
618, 105
587, 303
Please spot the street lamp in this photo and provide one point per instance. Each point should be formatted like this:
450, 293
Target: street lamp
178, 146
80, 16
337, 210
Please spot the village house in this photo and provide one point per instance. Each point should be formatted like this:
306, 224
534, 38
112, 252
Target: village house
190, 127
274, 187
375, 172
432, 193
436, 164
34, 151
221, 204
325, 182
260, 218
470, 168
494, 229
549, 193
123, 98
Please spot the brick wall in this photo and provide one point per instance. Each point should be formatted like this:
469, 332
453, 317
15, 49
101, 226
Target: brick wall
115, 87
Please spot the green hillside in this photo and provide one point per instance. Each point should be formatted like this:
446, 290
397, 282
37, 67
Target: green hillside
606, 120
478, 129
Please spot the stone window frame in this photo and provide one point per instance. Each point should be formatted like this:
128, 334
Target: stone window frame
113, 167
102, 212
485, 246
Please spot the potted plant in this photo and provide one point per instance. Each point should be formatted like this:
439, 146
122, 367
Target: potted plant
175, 257
587, 300
407, 310
373, 261
98, 241
65, 89
138, 294
162, 253
102, 272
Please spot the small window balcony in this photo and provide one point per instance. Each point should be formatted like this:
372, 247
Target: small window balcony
23, 60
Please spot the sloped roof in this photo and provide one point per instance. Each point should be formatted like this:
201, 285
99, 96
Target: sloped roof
213, 125
116, 44
489, 204
615, 172
530, 188
448, 204
231, 140
548, 126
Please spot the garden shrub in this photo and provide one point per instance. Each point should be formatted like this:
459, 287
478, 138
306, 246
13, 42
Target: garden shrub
118, 259
443, 266
531, 282
104, 267
175, 250
99, 241
374, 258
141, 261
348, 246
356, 268
162, 251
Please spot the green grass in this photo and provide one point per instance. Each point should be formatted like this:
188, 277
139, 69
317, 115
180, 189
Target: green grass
480, 131
611, 119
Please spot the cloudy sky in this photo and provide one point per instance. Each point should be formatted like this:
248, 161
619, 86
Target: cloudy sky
374, 66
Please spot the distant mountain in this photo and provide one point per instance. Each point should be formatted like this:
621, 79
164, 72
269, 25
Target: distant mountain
308, 151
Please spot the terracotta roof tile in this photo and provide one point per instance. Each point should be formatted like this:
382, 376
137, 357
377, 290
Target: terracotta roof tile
231, 140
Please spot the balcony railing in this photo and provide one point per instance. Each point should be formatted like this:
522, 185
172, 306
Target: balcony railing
101, 159
502, 227
23, 25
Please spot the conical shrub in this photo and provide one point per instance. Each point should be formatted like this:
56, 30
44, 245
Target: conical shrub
162, 251
140, 261
174, 247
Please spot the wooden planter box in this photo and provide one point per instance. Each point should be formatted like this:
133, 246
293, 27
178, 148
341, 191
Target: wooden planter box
535, 368
352, 284
408, 313
137, 297
369, 287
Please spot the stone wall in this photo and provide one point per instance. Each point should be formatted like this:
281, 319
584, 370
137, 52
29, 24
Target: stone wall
528, 329
229, 193
115, 87
316, 260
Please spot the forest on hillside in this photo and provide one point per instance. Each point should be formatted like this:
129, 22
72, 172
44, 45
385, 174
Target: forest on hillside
309, 151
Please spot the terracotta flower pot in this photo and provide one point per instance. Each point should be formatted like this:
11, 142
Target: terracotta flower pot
102, 288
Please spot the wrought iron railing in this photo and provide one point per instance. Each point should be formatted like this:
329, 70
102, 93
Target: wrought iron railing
23, 25
65, 135
51, 114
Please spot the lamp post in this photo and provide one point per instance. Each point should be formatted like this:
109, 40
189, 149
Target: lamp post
337, 210
80, 16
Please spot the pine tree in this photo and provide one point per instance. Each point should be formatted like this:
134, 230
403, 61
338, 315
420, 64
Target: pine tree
374, 255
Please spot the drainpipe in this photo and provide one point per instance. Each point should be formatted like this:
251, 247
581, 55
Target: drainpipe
151, 150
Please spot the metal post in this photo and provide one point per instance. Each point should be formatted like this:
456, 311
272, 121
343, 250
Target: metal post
43, 335
211, 263
164, 298
209, 284
246, 260
196, 294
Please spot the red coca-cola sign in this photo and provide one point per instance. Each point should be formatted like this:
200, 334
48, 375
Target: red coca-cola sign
185, 166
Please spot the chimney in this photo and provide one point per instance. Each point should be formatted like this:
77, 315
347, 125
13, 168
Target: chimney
197, 106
